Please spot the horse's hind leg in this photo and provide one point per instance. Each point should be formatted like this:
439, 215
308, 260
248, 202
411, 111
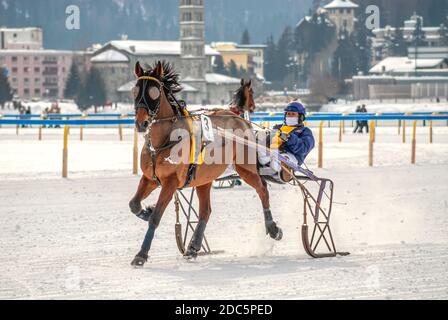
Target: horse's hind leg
144, 189
205, 210
260, 185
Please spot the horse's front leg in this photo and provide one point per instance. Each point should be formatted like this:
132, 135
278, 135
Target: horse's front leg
145, 188
166, 195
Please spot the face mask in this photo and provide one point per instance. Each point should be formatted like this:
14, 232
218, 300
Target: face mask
292, 122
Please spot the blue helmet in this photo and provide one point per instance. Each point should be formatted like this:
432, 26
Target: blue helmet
296, 107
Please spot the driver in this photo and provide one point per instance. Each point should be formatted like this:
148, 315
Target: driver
293, 140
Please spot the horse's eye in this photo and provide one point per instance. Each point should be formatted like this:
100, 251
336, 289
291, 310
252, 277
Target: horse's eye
135, 91
154, 93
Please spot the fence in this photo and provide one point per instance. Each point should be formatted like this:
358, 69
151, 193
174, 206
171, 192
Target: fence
257, 117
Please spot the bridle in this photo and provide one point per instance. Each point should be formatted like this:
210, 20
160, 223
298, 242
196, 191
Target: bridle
143, 103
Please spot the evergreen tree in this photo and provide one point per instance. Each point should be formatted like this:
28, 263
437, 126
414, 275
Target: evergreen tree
284, 51
73, 85
270, 59
343, 66
219, 66
418, 35
245, 38
93, 92
5, 89
233, 69
399, 44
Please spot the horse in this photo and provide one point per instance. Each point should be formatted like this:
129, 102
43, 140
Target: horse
243, 99
158, 113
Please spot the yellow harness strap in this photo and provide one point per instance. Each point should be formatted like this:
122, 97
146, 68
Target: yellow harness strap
195, 156
276, 141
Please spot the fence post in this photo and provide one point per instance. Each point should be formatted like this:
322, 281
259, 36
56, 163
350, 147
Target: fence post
120, 128
135, 153
17, 130
371, 140
340, 131
40, 129
430, 129
404, 131
81, 128
399, 127
414, 141
321, 146
65, 153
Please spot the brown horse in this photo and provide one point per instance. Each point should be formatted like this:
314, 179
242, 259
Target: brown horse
158, 112
243, 100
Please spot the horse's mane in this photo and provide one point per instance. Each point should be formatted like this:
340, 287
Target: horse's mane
239, 98
170, 78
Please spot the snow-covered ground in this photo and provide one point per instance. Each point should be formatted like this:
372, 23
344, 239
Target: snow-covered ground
74, 238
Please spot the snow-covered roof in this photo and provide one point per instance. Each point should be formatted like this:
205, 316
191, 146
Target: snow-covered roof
404, 64
127, 87
110, 56
217, 78
341, 4
188, 88
141, 47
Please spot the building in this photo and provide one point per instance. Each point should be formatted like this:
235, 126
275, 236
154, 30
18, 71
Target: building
21, 38
193, 60
342, 14
37, 73
116, 59
190, 56
241, 55
258, 57
384, 38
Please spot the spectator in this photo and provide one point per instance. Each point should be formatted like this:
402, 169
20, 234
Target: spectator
364, 123
358, 123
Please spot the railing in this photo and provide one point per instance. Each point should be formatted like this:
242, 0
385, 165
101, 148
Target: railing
371, 118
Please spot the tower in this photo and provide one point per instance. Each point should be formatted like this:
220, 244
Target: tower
342, 14
192, 38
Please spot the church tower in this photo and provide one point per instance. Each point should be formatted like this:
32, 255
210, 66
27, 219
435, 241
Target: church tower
192, 38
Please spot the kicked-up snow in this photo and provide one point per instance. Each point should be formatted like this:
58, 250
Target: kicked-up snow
75, 238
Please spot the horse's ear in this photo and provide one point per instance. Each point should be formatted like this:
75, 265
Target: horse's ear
159, 69
138, 70
249, 84
242, 82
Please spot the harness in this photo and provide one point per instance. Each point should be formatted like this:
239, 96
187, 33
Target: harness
180, 112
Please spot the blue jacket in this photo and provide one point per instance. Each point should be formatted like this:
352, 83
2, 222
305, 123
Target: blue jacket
300, 143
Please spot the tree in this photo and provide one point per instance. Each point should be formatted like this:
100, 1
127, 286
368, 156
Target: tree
418, 35
245, 38
399, 46
285, 50
344, 64
74, 84
93, 92
233, 69
270, 59
219, 66
5, 89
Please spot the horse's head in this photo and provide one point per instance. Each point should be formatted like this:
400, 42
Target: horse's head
148, 94
244, 97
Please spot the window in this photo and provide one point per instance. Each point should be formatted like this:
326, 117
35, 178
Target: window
26, 91
37, 92
14, 59
36, 80
36, 59
26, 80
14, 80
26, 70
14, 70
36, 69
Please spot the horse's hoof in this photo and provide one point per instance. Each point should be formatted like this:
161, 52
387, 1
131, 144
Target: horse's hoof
191, 254
274, 232
139, 260
279, 235
146, 213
